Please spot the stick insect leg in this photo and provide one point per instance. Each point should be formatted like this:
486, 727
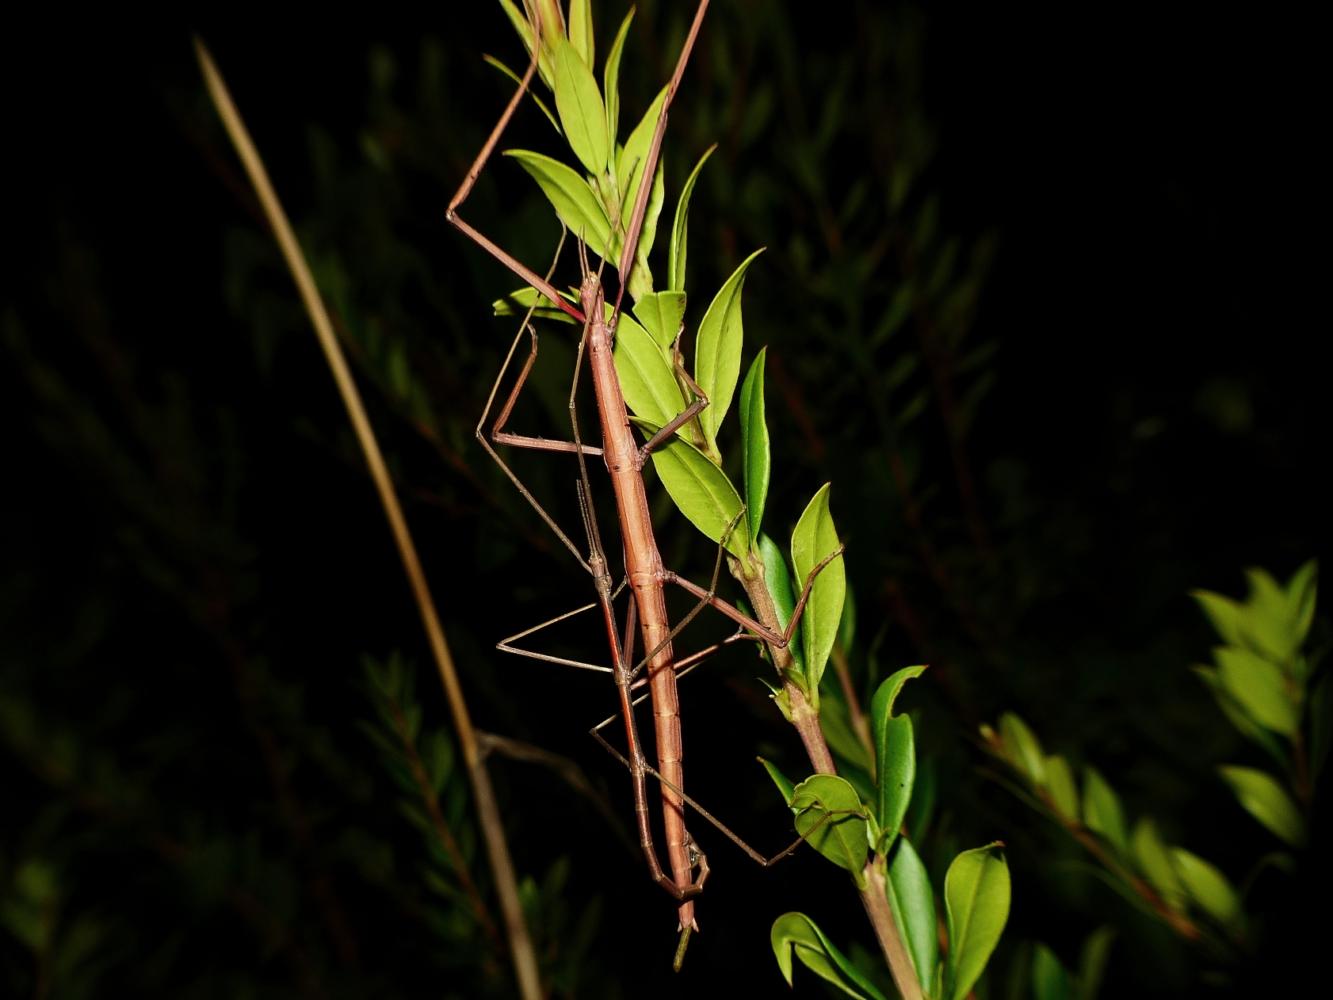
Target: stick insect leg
664, 432
772, 636
689, 800
519, 440
507, 644
542, 285
635, 761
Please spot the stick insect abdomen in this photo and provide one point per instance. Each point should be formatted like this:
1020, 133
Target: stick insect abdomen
643, 566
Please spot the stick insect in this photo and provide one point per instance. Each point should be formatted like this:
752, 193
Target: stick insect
646, 574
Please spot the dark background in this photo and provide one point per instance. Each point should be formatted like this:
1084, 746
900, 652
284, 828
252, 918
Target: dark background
1115, 398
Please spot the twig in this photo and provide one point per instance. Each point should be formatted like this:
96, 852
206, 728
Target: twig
806, 720
488, 813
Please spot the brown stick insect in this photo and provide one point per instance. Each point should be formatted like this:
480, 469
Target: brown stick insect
563, 54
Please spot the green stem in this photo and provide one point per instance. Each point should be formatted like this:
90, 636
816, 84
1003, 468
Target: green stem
805, 717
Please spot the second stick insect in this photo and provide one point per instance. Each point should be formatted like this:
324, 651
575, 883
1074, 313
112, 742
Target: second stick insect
624, 459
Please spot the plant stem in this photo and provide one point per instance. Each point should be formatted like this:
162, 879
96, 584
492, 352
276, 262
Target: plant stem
805, 717
488, 813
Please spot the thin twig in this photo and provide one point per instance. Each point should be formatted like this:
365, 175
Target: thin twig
805, 718
488, 813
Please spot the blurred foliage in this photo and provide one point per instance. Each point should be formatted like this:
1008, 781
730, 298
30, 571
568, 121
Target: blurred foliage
1022, 326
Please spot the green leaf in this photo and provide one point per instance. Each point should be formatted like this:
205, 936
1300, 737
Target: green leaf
640, 277
895, 756
755, 458
1023, 749
717, 355
784, 783
778, 581
579, 105
646, 379
634, 157
611, 77
520, 300
1092, 962
1238, 717
1300, 593
1224, 614
516, 17
680, 228
1102, 812
1270, 624
813, 539
912, 901
1060, 786
795, 933
576, 204
1259, 688
1208, 888
1264, 799
492, 61
700, 490
1153, 859
1050, 981
847, 626
580, 30
661, 314
976, 905
830, 816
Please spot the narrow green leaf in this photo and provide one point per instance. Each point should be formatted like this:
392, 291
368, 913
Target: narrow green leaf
519, 301
1270, 625
1208, 888
895, 756
492, 61
1092, 962
661, 314
1259, 688
579, 105
784, 783
576, 203
1102, 812
912, 901
778, 581
976, 905
830, 816
717, 355
1238, 717
580, 30
1023, 749
545, 65
1264, 799
611, 78
795, 933
680, 229
835, 722
645, 374
1050, 981
634, 157
1153, 859
847, 626
1060, 786
1224, 614
1300, 593
700, 490
896, 762
640, 276
814, 538
755, 458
